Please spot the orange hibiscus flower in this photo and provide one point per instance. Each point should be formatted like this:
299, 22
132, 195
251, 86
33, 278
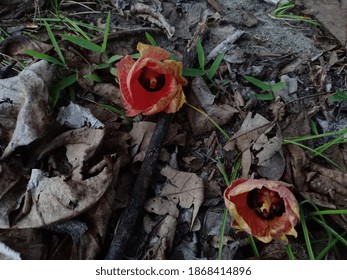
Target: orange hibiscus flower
263, 208
151, 84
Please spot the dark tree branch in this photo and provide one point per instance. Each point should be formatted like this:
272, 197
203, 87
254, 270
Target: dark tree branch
131, 215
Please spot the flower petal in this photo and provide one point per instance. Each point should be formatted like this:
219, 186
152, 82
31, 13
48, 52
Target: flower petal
150, 85
245, 218
152, 52
141, 98
175, 69
177, 102
123, 69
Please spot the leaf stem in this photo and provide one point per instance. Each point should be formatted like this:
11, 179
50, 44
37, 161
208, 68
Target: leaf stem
216, 125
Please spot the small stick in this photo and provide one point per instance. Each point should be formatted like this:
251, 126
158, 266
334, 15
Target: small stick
224, 45
132, 214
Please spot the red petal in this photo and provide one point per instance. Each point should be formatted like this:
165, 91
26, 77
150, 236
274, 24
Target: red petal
152, 52
245, 217
141, 98
123, 68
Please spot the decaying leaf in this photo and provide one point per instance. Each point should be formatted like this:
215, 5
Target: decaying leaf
323, 186
182, 189
331, 13
255, 141
24, 112
202, 97
75, 116
162, 239
6, 253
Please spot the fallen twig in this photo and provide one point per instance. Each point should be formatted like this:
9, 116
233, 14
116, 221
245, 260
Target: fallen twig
131, 215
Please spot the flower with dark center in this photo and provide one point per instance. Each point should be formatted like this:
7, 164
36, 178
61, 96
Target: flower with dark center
151, 84
263, 208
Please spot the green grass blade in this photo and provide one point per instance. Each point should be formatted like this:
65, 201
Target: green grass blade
113, 109
44, 57
327, 249
93, 77
221, 169
287, 141
102, 66
221, 234
83, 43
107, 31
258, 83
290, 252
306, 234
216, 125
338, 96
201, 55
253, 245
310, 137
332, 231
277, 86
264, 96
313, 126
193, 72
337, 140
61, 85
329, 212
75, 27
136, 55
151, 39
79, 23
114, 58
213, 70
54, 42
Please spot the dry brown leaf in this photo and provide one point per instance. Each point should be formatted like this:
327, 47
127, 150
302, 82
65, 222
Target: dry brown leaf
161, 206
202, 97
140, 134
323, 186
183, 188
15, 46
254, 141
270, 157
162, 240
53, 199
26, 100
331, 13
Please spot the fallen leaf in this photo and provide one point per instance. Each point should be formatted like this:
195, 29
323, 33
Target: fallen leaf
254, 140
27, 96
162, 239
202, 97
184, 189
332, 14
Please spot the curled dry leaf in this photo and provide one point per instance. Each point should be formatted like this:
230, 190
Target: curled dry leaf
6, 253
323, 186
202, 97
253, 141
24, 110
183, 188
162, 240
332, 14
51, 199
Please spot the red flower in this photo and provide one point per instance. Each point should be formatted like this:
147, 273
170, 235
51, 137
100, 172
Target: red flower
263, 208
151, 84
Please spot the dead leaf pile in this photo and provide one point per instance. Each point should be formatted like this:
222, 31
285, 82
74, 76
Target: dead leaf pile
64, 178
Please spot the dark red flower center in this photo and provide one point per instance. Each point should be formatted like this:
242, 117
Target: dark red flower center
151, 80
266, 203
